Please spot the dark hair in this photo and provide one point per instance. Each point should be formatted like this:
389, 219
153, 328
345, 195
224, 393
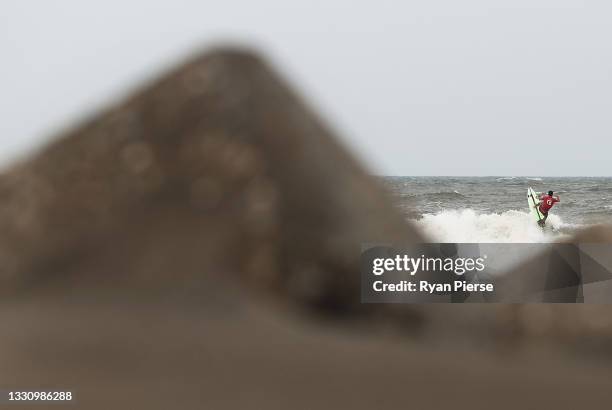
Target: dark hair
550, 193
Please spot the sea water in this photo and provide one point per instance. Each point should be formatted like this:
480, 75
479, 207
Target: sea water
494, 209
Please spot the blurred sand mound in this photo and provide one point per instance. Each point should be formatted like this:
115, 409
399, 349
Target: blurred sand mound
138, 250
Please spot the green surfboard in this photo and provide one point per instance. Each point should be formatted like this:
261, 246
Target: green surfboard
534, 209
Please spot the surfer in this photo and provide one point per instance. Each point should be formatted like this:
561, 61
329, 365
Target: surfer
547, 202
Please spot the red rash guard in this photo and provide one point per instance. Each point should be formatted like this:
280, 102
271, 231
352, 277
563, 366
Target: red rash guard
547, 203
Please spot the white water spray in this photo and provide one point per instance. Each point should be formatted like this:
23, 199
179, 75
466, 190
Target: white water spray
467, 225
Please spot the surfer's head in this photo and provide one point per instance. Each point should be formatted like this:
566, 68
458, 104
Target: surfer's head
550, 193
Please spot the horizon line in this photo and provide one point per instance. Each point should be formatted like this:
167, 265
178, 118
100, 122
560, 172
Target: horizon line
495, 176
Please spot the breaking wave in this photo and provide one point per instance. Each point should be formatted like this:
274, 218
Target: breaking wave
468, 225
520, 180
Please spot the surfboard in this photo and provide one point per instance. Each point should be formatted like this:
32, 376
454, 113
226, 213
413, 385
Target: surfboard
533, 201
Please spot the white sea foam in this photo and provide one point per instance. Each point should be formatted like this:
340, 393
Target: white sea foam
505, 179
467, 225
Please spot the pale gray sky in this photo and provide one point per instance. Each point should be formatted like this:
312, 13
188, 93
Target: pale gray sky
512, 87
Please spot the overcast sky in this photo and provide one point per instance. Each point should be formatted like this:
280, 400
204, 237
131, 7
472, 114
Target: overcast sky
415, 88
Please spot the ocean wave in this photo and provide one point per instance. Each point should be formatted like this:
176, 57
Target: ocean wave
598, 188
500, 179
442, 195
470, 226
520, 180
